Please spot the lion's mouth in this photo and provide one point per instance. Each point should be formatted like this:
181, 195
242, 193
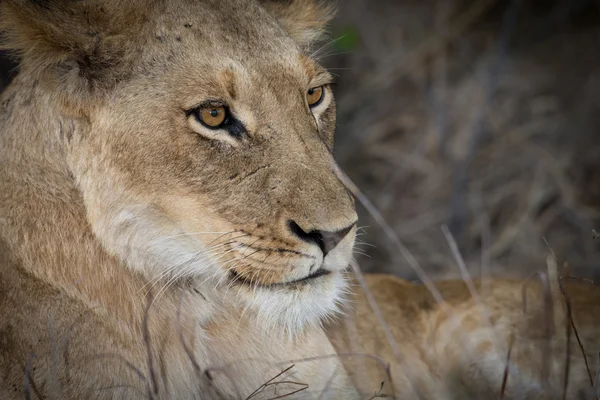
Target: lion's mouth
315, 275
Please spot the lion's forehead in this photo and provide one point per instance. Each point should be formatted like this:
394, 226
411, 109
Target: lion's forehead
230, 27
209, 54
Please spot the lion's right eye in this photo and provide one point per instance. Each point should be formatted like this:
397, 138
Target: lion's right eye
217, 118
212, 117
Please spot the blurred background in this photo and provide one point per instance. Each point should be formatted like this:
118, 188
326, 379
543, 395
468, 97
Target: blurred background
479, 115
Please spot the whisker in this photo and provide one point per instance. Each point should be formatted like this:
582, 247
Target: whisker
325, 46
168, 270
162, 239
360, 243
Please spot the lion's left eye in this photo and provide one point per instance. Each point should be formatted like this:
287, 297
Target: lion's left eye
315, 96
211, 116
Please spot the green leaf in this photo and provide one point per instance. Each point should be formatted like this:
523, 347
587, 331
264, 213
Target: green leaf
347, 39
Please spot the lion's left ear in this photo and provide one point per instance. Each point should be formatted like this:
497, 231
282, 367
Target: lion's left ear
303, 20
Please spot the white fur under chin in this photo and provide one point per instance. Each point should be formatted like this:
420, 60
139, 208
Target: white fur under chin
146, 241
294, 310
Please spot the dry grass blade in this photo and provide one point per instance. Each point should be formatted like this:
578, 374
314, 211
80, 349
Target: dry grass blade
576, 332
506, 367
272, 382
567, 352
208, 372
378, 314
131, 367
354, 341
549, 320
290, 393
379, 393
188, 351
596, 381
464, 272
380, 361
373, 357
146, 337
116, 387
386, 329
390, 234
387, 74
251, 395
328, 384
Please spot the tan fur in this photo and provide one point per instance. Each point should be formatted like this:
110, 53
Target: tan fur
122, 219
114, 198
458, 349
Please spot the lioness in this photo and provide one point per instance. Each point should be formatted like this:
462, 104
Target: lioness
172, 225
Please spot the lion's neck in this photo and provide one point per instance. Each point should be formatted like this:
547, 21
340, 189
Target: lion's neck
43, 218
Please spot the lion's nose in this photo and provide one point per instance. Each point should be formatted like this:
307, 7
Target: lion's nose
326, 240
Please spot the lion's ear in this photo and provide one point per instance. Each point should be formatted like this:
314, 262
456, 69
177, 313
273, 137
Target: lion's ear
303, 20
70, 45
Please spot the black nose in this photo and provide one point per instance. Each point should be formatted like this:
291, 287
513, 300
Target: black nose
326, 240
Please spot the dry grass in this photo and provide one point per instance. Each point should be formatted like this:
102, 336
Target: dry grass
481, 115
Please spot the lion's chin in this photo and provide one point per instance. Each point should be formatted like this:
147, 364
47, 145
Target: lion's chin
295, 307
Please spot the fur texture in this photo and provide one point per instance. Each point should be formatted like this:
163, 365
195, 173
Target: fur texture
461, 347
145, 255
161, 249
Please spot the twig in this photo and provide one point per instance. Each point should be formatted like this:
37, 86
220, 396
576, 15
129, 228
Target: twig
507, 366
570, 316
379, 393
290, 393
377, 359
270, 382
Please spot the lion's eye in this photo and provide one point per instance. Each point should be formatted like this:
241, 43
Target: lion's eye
211, 116
314, 96
217, 117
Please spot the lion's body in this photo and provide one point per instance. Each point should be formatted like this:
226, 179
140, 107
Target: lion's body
458, 348
145, 254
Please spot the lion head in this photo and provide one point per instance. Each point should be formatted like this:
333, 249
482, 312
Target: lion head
200, 136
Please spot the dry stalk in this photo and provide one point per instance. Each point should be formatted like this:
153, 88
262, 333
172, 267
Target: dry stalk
574, 327
506, 366
188, 351
549, 320
146, 338
272, 382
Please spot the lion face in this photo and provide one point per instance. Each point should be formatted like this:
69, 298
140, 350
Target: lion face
213, 163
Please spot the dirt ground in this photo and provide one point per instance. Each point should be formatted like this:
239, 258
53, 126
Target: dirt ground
482, 116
